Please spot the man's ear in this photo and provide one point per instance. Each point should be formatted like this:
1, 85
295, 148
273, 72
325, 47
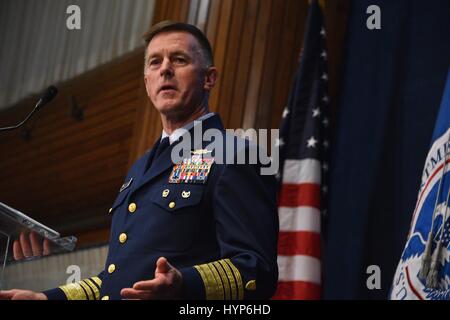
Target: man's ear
211, 76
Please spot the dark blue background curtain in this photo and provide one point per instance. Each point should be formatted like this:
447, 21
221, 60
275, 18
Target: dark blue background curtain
392, 85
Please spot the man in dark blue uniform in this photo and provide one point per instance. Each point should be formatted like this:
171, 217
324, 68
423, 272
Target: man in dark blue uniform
197, 229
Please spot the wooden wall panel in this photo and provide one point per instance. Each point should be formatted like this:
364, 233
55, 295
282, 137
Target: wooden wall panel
244, 65
272, 62
230, 64
214, 13
220, 48
258, 61
69, 173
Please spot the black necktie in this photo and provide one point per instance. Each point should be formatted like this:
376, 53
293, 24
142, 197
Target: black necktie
163, 144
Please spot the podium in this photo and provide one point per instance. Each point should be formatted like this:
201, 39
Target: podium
13, 223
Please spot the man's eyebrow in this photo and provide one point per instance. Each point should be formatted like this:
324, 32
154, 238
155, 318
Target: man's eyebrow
153, 55
174, 53
180, 52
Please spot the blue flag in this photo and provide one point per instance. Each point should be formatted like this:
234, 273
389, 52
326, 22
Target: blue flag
424, 269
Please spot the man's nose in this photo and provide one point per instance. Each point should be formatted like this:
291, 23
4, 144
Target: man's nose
166, 68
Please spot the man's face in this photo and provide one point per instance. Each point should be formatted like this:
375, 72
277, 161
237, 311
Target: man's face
174, 73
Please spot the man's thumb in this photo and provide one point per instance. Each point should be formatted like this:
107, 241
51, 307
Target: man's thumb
162, 265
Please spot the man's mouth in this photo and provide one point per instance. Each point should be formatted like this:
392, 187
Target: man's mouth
167, 88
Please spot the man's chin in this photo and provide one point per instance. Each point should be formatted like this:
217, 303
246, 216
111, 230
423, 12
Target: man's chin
169, 109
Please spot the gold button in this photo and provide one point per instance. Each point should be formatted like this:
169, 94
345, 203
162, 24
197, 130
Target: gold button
132, 207
111, 268
165, 193
251, 285
105, 298
110, 209
123, 237
172, 205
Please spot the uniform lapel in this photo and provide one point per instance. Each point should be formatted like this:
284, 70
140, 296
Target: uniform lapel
163, 163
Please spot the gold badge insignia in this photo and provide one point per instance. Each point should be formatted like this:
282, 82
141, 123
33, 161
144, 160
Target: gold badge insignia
201, 151
186, 194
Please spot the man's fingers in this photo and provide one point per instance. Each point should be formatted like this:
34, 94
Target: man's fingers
130, 293
17, 294
164, 285
30, 245
17, 251
36, 244
46, 247
7, 294
25, 244
151, 285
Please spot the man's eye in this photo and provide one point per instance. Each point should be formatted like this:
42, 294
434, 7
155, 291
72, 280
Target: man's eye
180, 60
153, 62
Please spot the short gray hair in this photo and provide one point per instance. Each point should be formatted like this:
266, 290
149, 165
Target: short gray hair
167, 25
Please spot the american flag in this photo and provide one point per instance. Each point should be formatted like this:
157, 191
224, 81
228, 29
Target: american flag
304, 146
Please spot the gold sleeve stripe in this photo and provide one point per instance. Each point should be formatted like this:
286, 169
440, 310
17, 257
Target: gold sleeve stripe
93, 284
224, 279
219, 284
207, 281
238, 277
212, 290
230, 279
97, 281
87, 290
215, 292
74, 291
93, 288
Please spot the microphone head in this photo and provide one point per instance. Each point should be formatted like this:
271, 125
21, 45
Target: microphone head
48, 94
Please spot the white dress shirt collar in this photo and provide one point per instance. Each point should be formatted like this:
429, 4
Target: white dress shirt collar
176, 134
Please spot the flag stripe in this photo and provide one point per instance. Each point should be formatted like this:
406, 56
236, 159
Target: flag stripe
299, 195
301, 171
297, 290
299, 219
299, 243
299, 268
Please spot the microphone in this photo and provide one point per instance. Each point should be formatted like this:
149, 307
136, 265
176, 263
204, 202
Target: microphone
45, 98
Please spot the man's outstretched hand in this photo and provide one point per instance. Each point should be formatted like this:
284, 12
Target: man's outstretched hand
167, 284
30, 245
16, 294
